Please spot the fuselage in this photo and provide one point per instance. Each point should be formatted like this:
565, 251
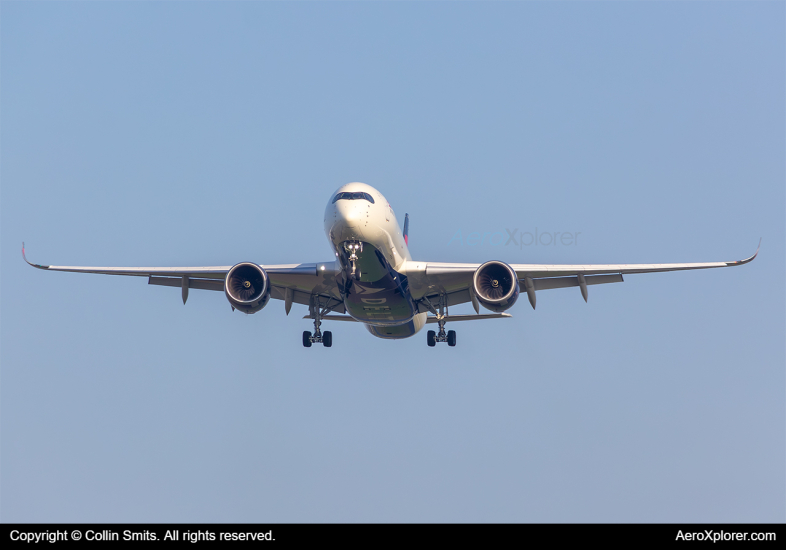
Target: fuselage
371, 252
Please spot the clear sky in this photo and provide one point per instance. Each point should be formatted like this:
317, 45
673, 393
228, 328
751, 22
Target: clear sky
207, 133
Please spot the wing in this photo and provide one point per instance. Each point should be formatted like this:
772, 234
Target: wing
429, 279
292, 283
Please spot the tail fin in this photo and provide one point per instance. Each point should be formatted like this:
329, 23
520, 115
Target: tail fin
406, 229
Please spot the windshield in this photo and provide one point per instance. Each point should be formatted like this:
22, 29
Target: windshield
353, 196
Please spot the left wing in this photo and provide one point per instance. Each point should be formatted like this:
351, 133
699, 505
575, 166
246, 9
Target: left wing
293, 283
429, 279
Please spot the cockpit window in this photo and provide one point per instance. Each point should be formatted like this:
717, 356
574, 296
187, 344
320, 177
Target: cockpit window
353, 196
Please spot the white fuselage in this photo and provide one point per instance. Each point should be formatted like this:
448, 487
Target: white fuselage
359, 219
371, 252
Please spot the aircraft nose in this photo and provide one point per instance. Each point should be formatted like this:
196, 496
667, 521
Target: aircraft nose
349, 213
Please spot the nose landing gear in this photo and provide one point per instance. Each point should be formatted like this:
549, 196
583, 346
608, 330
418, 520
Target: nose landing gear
352, 248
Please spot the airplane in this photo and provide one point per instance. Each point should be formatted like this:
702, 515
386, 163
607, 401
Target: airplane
373, 280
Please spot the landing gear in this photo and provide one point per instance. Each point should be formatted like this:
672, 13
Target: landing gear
352, 249
433, 337
319, 337
326, 339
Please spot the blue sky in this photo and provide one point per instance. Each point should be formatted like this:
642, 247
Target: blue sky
206, 133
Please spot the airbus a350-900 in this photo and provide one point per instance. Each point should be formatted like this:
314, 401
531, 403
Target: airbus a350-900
373, 279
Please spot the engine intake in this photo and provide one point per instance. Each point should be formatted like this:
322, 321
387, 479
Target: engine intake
247, 287
496, 286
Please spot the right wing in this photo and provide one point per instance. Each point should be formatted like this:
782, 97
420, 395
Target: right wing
293, 283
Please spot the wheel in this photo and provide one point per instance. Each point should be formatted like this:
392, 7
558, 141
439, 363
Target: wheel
451, 338
306, 339
431, 338
327, 338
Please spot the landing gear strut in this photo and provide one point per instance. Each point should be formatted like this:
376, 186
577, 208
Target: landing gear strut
433, 337
352, 249
319, 337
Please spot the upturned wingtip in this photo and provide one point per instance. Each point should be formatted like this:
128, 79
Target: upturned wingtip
755, 253
24, 257
746, 260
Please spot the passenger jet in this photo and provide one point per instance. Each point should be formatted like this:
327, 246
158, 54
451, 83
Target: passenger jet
373, 279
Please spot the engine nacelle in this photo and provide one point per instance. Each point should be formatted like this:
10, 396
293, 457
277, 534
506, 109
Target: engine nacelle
247, 287
496, 286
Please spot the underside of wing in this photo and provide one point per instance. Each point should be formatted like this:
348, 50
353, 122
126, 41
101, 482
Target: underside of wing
542, 270
308, 284
453, 282
212, 272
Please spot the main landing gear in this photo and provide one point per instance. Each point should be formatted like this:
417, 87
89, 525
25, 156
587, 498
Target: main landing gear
433, 337
319, 337
325, 338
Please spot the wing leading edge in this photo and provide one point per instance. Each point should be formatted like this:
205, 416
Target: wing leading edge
556, 270
292, 283
212, 272
301, 283
454, 280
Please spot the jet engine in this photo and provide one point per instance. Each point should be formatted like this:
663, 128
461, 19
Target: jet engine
496, 286
247, 287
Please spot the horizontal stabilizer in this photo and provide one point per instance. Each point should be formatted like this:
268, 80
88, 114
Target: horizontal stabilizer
431, 318
449, 318
333, 318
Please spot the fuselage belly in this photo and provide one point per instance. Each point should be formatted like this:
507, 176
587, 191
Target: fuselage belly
370, 248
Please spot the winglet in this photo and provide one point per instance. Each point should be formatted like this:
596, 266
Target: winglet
24, 257
746, 260
406, 229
